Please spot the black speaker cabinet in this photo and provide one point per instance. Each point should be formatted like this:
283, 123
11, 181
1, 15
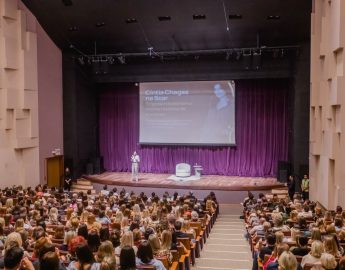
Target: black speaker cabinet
284, 169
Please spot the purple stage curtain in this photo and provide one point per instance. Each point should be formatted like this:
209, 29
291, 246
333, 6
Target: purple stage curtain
261, 133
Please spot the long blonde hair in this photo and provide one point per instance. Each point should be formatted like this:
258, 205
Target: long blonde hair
127, 239
166, 240
330, 246
287, 261
106, 249
154, 243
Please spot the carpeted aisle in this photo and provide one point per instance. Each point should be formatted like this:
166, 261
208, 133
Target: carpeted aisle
226, 248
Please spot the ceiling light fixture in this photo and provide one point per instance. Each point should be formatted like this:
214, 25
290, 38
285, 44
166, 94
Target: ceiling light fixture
131, 20
73, 28
235, 16
100, 24
273, 17
67, 2
164, 18
199, 16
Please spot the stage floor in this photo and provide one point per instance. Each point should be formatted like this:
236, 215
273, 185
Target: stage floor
207, 182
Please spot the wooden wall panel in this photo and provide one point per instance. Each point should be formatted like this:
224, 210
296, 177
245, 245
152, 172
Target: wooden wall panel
327, 103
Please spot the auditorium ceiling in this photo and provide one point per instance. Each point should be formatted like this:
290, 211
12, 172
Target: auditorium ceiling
130, 26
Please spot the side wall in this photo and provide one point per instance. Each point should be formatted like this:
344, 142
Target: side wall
327, 102
22, 45
50, 115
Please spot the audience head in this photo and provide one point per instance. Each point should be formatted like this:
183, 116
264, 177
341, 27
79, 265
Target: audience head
287, 261
178, 225
127, 258
271, 239
93, 240
127, 239
154, 243
83, 231
302, 241
330, 245
84, 254
316, 249
105, 250
145, 253
13, 257
328, 261
75, 242
49, 261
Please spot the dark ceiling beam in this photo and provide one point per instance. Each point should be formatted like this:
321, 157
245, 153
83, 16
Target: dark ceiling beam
151, 52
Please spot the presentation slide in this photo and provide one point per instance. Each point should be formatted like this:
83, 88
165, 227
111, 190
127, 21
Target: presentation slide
194, 112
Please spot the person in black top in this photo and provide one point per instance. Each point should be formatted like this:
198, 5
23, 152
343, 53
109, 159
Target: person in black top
67, 180
291, 186
302, 248
268, 249
270, 245
177, 232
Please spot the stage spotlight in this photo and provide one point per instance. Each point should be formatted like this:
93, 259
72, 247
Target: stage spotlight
247, 60
81, 60
238, 55
257, 59
104, 67
121, 59
96, 66
110, 60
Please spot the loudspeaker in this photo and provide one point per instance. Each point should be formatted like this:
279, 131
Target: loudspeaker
283, 171
89, 168
247, 61
98, 165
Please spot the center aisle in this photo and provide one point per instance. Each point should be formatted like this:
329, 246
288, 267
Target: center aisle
226, 248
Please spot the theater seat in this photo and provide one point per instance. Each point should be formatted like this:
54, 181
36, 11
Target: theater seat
183, 170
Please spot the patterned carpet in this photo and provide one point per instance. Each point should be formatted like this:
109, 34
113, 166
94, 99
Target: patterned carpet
207, 182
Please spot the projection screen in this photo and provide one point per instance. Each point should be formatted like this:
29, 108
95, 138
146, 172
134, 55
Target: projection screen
193, 112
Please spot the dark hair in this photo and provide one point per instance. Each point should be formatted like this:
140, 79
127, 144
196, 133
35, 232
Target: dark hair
178, 225
145, 253
13, 256
115, 238
38, 232
47, 247
302, 222
50, 261
82, 231
303, 241
84, 255
127, 258
105, 187
104, 234
148, 232
271, 239
133, 226
339, 209
338, 222
42, 223
93, 241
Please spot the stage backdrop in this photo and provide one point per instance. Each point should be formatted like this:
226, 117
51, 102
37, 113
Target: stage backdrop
261, 133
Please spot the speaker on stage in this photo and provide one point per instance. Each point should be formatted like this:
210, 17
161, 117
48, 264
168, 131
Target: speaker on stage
98, 165
284, 169
89, 168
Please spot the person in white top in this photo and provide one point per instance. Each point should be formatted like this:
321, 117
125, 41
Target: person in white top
135, 159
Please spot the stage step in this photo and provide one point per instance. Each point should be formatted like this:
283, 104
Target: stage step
82, 187
82, 190
84, 182
280, 191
